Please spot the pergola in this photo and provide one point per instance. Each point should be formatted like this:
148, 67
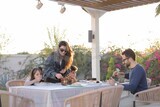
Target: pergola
96, 8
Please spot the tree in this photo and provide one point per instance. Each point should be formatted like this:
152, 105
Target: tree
54, 36
111, 68
82, 60
3, 41
4, 75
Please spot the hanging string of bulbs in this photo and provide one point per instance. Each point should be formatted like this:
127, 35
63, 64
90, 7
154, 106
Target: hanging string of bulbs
39, 5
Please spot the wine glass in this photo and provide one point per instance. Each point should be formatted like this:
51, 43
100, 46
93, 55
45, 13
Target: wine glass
117, 77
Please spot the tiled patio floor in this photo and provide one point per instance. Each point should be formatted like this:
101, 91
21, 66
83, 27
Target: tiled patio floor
128, 102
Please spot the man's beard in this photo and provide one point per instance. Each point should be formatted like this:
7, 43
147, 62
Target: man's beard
127, 65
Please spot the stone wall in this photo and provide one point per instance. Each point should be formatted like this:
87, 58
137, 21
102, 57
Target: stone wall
14, 67
14, 62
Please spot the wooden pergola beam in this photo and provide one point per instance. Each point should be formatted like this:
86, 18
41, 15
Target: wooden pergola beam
108, 5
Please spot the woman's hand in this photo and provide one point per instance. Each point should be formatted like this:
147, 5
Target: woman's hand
62, 71
59, 76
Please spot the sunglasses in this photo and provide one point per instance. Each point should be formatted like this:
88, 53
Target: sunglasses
63, 50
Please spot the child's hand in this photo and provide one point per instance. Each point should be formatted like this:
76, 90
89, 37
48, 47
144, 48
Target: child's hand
72, 75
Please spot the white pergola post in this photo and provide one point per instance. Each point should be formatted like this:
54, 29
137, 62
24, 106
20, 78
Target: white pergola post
95, 15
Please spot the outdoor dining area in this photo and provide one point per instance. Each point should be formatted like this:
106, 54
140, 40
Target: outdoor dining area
84, 93
80, 94
91, 92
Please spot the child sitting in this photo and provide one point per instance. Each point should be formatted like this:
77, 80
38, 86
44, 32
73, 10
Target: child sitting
72, 74
35, 76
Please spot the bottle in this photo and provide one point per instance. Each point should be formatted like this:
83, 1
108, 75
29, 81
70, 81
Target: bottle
116, 76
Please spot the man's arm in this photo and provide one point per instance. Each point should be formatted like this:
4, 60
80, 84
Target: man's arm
134, 80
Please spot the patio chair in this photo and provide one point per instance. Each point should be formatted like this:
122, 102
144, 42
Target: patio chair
87, 99
151, 95
110, 96
12, 100
149, 81
11, 83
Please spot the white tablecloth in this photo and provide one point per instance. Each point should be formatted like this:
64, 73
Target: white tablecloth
53, 95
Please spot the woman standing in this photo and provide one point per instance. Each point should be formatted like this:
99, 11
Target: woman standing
58, 63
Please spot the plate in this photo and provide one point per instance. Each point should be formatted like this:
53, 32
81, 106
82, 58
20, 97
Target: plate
77, 84
89, 84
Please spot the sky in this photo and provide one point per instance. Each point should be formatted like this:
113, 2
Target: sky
26, 26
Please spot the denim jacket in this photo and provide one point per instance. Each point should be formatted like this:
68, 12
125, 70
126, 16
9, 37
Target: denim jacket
52, 67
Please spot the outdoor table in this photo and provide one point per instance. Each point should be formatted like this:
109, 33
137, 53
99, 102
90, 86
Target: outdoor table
125, 93
53, 95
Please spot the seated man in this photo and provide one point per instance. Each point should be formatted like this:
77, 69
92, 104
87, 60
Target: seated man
136, 76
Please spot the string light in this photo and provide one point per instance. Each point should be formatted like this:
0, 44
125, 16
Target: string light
63, 9
39, 5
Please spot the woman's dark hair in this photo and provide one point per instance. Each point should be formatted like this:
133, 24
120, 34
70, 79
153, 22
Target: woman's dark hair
63, 43
129, 53
69, 49
34, 70
69, 53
